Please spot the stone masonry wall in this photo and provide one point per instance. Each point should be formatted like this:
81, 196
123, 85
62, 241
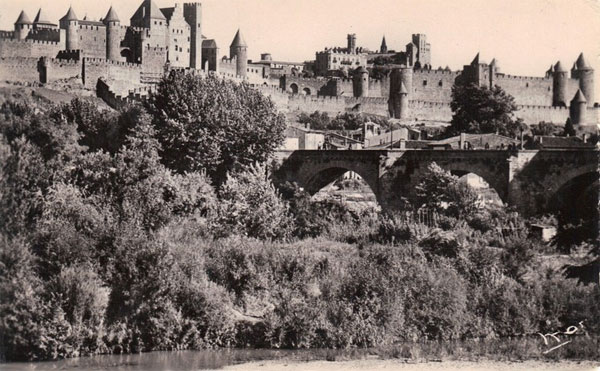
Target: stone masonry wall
57, 69
93, 69
29, 48
534, 91
19, 69
92, 40
433, 86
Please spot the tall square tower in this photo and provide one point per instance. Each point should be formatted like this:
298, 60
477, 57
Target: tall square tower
192, 13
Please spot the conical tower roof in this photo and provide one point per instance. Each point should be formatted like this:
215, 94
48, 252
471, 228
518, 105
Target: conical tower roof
383, 43
558, 67
23, 18
238, 40
148, 9
70, 16
475, 60
403, 89
41, 18
581, 63
111, 16
579, 97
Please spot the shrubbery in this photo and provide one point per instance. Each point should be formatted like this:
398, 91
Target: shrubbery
105, 249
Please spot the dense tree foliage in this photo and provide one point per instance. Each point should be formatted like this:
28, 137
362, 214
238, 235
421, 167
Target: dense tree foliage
479, 109
104, 248
210, 124
440, 190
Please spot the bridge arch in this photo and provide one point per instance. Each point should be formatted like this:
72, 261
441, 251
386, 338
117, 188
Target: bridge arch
493, 179
306, 91
556, 183
567, 194
294, 88
317, 177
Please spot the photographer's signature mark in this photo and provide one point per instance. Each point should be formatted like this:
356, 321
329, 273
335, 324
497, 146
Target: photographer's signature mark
555, 335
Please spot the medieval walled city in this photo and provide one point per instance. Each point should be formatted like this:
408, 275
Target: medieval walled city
170, 203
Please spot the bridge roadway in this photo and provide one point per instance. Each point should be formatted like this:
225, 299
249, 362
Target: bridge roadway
532, 181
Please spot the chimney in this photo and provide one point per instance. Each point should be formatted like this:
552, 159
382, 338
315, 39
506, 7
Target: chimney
402, 144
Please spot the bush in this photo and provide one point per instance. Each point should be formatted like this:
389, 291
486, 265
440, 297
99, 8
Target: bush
250, 206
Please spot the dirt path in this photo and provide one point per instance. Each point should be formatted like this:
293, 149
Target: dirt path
390, 365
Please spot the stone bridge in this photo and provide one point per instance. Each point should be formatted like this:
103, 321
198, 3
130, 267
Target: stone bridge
533, 181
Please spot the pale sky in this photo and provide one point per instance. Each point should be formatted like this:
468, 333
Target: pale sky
525, 36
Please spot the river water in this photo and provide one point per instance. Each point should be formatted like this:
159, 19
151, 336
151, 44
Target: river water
181, 360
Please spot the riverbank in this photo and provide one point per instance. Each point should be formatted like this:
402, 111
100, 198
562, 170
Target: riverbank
394, 364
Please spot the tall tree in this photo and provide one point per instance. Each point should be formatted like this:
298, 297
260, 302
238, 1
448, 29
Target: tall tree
210, 123
479, 109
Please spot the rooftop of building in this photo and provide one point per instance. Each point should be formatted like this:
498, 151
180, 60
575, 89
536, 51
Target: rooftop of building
23, 18
41, 18
148, 9
238, 40
551, 142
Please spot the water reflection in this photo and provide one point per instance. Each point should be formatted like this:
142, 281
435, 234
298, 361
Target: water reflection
181, 360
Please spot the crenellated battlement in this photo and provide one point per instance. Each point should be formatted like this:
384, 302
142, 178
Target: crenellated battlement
367, 100
75, 54
102, 61
191, 5
155, 49
324, 99
339, 52
425, 104
523, 78
437, 72
539, 107
6, 34
61, 62
229, 61
44, 32
32, 42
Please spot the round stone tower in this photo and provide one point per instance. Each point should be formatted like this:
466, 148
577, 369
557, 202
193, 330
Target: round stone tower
400, 92
239, 50
559, 85
360, 82
403, 99
70, 23
22, 26
113, 35
585, 74
406, 76
578, 109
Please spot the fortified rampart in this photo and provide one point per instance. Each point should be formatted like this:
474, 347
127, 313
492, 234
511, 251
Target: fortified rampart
19, 69
533, 115
429, 111
94, 68
52, 69
432, 85
534, 91
30, 48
